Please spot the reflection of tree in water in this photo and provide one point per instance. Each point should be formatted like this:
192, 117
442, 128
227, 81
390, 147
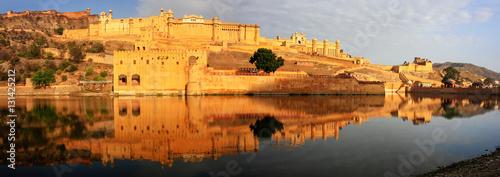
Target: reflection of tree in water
451, 109
266, 127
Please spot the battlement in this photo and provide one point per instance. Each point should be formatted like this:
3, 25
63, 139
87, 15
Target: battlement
54, 13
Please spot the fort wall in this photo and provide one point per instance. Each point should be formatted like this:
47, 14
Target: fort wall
99, 58
446, 90
27, 13
180, 72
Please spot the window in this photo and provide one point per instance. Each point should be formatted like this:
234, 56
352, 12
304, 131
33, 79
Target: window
147, 62
122, 79
121, 62
134, 62
136, 79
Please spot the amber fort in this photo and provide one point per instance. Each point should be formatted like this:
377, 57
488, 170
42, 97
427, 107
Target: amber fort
169, 57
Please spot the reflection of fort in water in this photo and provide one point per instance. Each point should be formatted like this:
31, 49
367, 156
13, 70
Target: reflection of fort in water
164, 129
193, 128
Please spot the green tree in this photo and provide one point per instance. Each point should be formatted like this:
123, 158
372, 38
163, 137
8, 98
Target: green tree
103, 73
96, 48
3, 42
72, 68
90, 71
265, 59
451, 73
43, 78
76, 51
60, 30
489, 81
99, 78
64, 78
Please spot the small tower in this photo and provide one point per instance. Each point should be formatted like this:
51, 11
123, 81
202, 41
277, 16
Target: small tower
161, 11
337, 48
325, 47
88, 10
170, 14
314, 41
110, 14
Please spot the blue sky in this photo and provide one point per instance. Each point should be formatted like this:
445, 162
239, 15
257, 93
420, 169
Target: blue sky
440, 30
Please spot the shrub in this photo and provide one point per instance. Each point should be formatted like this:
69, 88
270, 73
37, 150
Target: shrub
26, 75
63, 65
76, 51
72, 68
89, 72
99, 78
103, 73
96, 48
48, 55
64, 78
58, 72
60, 30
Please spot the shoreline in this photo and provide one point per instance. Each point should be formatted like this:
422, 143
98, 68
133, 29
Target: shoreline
484, 165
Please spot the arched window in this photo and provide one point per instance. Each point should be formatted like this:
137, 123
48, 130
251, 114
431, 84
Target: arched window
192, 60
136, 79
147, 62
134, 62
122, 110
121, 62
144, 48
136, 109
122, 79
138, 48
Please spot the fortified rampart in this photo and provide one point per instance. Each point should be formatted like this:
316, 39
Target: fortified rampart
53, 13
446, 90
152, 72
418, 65
99, 58
165, 26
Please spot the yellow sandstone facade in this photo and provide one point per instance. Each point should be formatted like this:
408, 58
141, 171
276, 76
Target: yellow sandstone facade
165, 26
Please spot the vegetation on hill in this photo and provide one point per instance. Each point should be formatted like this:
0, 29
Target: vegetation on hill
43, 78
451, 73
266, 60
469, 71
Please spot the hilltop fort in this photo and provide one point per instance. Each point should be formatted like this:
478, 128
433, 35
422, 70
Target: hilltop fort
193, 55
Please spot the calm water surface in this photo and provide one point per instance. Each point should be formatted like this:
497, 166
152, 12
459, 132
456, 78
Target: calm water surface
394, 135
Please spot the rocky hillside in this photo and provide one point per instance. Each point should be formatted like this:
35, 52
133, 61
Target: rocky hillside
470, 71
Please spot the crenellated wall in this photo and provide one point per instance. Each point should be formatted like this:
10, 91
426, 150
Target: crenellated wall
180, 72
165, 26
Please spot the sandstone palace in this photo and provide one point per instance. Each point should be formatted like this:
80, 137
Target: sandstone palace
170, 58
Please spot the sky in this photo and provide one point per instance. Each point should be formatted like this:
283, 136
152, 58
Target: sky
388, 32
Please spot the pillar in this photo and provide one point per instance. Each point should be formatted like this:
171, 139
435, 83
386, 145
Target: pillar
325, 47
240, 33
337, 49
215, 35
314, 45
257, 34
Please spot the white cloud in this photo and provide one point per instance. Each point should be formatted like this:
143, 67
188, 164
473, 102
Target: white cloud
483, 14
418, 28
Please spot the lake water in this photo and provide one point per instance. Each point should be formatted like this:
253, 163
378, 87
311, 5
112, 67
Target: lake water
392, 135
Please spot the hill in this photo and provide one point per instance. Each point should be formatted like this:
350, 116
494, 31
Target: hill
470, 71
